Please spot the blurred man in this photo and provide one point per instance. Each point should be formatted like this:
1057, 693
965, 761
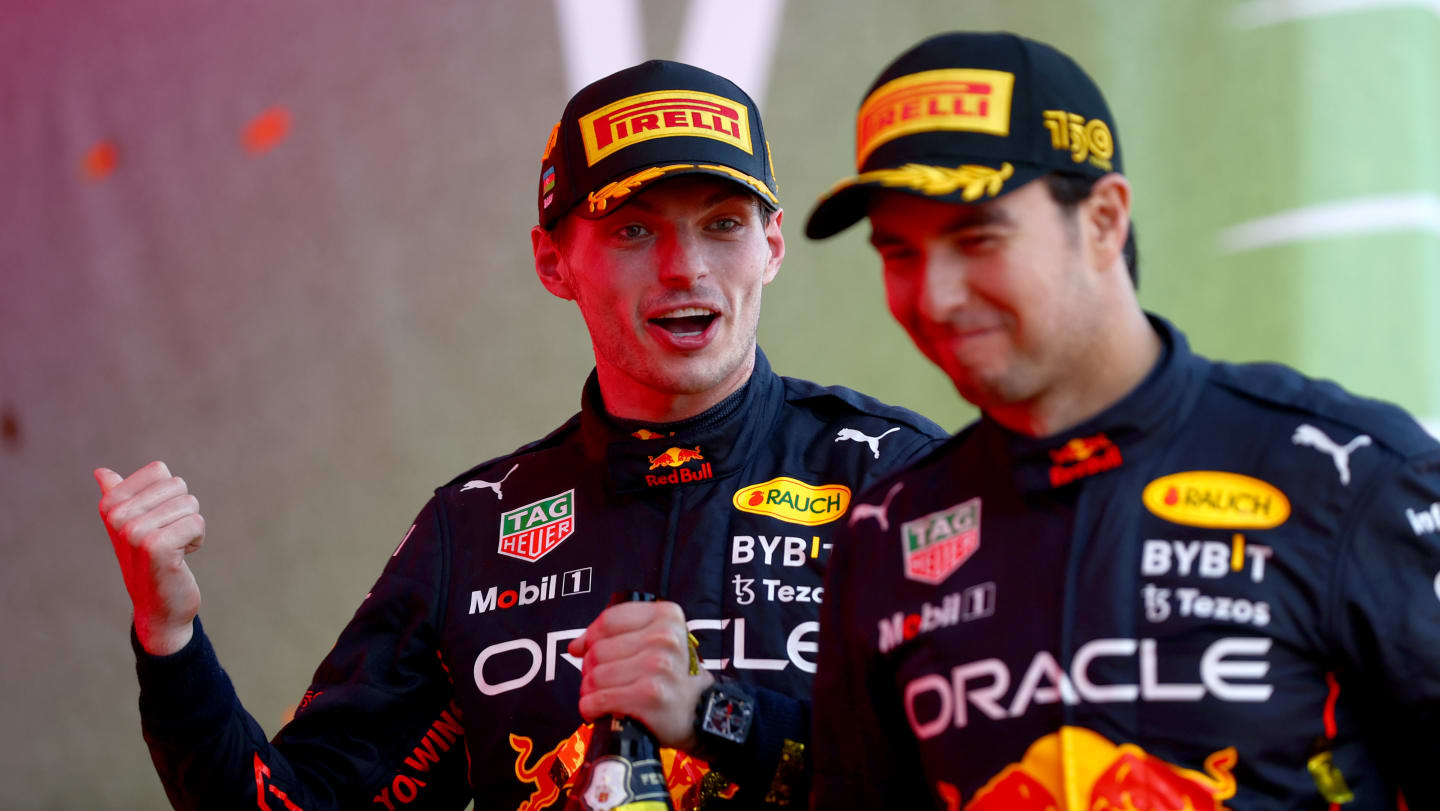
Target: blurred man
692, 471
1143, 579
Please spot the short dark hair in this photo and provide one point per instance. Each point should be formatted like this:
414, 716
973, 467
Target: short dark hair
1068, 190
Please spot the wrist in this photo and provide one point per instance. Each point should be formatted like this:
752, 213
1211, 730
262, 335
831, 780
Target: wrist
163, 639
724, 716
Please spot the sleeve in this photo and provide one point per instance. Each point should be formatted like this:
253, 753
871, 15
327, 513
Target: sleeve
857, 752
772, 768
376, 729
914, 444
1388, 622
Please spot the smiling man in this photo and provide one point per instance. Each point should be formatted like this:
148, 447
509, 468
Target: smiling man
692, 471
1143, 579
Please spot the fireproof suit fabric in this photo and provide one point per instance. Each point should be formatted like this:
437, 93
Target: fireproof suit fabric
459, 651
1228, 579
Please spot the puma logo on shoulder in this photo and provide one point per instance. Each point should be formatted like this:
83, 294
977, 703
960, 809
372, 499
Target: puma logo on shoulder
478, 484
1312, 437
855, 435
860, 512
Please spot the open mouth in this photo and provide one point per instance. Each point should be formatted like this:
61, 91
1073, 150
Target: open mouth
685, 322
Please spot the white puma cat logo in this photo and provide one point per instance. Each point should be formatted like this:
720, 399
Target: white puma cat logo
476, 484
873, 441
876, 511
1313, 437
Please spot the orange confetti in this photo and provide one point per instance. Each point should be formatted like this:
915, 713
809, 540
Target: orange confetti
101, 161
266, 130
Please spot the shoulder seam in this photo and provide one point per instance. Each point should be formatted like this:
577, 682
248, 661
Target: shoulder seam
552, 439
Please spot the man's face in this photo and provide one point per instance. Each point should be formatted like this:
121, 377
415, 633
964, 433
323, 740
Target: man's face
997, 294
669, 284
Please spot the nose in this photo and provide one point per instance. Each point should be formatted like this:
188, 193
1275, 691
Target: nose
943, 287
682, 259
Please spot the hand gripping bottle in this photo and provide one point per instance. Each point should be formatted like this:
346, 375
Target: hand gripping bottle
622, 770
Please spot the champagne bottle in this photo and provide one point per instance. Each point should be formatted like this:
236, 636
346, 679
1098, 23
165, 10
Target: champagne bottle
622, 770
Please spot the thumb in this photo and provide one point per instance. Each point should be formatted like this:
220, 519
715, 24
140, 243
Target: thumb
107, 479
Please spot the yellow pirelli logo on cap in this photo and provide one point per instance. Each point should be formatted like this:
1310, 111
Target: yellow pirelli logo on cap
965, 99
663, 114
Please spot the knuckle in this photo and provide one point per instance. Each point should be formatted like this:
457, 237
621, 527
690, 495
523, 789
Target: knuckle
662, 662
666, 640
653, 689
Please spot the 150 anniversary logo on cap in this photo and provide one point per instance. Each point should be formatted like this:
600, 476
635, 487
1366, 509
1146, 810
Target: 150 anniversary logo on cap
663, 114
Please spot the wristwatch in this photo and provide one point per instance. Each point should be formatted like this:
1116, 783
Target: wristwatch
724, 714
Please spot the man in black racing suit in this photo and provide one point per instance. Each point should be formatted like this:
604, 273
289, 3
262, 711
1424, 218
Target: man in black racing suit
1142, 580
458, 677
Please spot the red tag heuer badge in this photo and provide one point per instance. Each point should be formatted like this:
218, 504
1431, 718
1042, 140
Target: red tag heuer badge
530, 532
937, 544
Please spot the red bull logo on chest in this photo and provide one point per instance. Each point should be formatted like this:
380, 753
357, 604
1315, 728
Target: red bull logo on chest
1081, 457
678, 458
937, 544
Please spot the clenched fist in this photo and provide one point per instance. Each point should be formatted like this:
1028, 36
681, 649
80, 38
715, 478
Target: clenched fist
154, 523
637, 664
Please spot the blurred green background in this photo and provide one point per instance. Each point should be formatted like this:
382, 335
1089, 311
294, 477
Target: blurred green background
284, 247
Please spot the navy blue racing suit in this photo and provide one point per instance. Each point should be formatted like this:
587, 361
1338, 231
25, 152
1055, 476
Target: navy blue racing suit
1221, 592
452, 681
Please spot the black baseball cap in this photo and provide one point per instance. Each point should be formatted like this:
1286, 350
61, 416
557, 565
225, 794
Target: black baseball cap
656, 120
964, 117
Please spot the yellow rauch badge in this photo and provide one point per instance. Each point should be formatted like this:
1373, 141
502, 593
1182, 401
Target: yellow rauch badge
1216, 499
794, 501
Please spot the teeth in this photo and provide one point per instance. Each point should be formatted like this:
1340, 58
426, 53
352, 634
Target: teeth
686, 312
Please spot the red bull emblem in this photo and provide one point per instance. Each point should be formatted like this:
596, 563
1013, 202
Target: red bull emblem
677, 458
1113, 778
1083, 456
553, 771
689, 780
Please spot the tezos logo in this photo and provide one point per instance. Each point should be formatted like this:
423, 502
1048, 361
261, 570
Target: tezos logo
794, 501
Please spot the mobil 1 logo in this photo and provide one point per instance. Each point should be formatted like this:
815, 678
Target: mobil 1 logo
575, 581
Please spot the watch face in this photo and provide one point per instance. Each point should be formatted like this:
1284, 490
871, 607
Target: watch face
727, 717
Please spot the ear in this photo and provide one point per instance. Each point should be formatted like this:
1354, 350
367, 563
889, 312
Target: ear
550, 264
1106, 220
775, 241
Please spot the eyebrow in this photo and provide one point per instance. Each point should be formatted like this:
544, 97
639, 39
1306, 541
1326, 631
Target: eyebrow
966, 217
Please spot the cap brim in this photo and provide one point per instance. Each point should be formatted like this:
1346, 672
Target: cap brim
847, 201
605, 200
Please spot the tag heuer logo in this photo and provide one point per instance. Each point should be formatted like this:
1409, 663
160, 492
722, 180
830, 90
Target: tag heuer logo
937, 544
530, 532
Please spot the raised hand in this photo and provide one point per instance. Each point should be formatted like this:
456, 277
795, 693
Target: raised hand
154, 523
